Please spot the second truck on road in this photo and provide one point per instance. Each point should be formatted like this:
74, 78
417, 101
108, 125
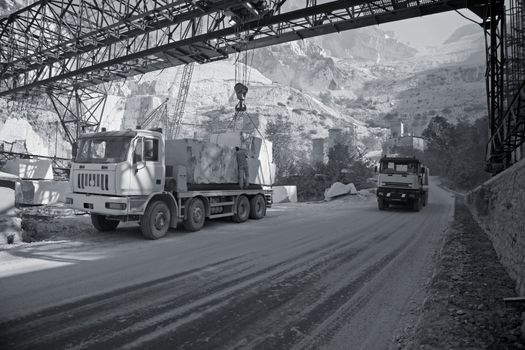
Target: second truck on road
402, 180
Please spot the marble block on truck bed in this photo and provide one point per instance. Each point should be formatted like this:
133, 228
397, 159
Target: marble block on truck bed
231, 138
257, 147
210, 163
205, 162
260, 172
262, 149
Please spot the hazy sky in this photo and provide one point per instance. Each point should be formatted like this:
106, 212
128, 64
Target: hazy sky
429, 30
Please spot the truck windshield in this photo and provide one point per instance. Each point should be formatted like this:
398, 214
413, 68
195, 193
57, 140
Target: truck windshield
393, 167
103, 150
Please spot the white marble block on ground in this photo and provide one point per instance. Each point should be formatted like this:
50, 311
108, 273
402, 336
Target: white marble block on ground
284, 194
30, 168
40, 192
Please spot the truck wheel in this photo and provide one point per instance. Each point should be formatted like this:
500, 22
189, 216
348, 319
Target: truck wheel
416, 204
243, 209
257, 207
102, 224
195, 215
156, 220
381, 204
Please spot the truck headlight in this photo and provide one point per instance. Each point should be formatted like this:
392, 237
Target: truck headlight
69, 200
116, 206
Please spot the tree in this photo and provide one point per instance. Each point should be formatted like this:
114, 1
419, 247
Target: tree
440, 141
457, 152
347, 167
279, 133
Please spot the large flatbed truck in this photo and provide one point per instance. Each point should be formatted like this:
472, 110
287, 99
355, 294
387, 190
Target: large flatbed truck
121, 176
402, 180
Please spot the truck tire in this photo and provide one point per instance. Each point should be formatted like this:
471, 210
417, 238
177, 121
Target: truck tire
243, 210
156, 220
381, 204
195, 215
257, 207
416, 204
102, 224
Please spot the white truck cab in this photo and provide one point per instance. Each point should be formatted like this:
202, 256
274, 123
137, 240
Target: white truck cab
402, 180
110, 167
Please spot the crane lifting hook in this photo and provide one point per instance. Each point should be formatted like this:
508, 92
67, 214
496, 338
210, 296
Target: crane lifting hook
240, 90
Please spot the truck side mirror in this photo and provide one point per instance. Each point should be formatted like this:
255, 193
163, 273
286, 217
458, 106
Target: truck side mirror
138, 151
74, 149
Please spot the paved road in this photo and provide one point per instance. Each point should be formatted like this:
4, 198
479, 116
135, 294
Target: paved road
338, 275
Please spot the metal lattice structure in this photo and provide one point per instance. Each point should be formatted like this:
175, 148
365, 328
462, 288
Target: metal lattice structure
174, 124
180, 104
62, 45
79, 110
158, 115
506, 85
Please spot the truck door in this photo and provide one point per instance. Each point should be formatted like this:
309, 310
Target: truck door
148, 174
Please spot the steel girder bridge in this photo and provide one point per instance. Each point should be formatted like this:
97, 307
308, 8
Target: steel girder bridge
70, 49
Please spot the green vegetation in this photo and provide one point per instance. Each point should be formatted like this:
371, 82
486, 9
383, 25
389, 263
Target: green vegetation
457, 152
279, 133
311, 181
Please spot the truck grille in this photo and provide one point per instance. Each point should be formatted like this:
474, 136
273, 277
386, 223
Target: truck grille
93, 181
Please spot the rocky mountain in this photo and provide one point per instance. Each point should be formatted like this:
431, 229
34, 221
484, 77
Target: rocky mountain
211, 101
369, 44
9, 6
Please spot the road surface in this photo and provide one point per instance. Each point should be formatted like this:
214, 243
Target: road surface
337, 275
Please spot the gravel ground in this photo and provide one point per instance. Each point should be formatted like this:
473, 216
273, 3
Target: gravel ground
465, 308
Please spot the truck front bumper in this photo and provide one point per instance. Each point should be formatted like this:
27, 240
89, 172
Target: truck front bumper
106, 205
397, 194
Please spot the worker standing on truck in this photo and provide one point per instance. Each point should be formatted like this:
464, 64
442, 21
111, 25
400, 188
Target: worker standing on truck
242, 166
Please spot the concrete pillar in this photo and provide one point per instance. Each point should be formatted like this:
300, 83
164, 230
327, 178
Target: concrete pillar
397, 130
335, 136
318, 150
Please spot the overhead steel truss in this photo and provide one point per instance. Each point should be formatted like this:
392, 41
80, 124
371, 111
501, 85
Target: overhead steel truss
79, 110
61, 45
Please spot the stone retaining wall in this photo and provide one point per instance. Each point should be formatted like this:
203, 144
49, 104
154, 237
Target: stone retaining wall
499, 207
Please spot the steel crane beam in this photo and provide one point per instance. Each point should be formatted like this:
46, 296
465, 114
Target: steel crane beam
156, 39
